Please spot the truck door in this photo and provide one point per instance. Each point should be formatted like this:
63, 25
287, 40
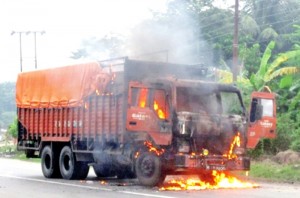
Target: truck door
262, 118
148, 111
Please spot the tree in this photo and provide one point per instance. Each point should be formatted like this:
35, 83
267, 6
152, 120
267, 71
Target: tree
8, 105
13, 129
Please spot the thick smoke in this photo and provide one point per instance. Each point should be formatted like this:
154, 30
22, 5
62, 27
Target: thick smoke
176, 40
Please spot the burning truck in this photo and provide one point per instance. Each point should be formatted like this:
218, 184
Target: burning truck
131, 118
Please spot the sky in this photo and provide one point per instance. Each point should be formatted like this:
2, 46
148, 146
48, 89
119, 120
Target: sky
66, 23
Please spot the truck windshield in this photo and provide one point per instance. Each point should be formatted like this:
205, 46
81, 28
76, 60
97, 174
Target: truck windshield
214, 102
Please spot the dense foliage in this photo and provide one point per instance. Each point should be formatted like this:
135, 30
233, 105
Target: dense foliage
7, 104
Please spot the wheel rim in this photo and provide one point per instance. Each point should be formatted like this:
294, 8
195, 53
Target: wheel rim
147, 166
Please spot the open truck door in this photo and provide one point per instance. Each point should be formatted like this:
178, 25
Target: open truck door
262, 118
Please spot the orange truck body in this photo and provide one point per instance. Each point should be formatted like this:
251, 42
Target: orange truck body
135, 118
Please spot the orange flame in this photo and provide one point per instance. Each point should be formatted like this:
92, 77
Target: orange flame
236, 142
151, 148
160, 113
220, 181
143, 98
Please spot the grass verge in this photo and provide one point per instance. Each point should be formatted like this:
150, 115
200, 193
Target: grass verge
270, 171
10, 151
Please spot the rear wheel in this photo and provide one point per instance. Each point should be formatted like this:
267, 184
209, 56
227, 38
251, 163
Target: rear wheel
50, 165
69, 167
149, 170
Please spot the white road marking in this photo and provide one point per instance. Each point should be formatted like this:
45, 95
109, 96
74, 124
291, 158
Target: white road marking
146, 195
81, 186
53, 182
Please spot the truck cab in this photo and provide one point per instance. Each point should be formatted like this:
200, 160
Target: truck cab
198, 126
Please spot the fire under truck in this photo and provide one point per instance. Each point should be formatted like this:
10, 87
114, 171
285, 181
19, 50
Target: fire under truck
132, 118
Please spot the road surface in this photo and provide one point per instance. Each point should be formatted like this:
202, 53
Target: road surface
25, 179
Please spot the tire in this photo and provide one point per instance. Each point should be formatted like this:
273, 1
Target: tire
69, 167
148, 169
206, 176
50, 165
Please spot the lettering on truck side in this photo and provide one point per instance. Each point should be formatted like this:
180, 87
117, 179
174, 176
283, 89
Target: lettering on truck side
68, 123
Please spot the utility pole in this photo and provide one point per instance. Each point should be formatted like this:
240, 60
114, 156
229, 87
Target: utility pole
235, 66
20, 40
35, 51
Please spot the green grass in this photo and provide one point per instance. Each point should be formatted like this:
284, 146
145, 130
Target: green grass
7, 149
11, 150
20, 155
275, 172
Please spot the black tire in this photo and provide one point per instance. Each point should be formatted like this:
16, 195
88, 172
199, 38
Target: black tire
207, 176
69, 167
50, 165
148, 169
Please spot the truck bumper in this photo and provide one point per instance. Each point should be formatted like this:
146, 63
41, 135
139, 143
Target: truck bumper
214, 162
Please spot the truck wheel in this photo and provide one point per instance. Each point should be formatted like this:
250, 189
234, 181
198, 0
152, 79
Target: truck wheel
148, 169
206, 176
67, 164
50, 166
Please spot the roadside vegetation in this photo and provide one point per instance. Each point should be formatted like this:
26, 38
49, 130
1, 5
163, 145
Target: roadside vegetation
273, 172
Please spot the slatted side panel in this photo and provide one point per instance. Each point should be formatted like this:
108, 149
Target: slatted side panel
99, 118
103, 118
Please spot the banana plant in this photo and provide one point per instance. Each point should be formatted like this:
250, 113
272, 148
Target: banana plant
267, 71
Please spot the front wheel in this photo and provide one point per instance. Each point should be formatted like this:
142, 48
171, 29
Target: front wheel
207, 177
148, 169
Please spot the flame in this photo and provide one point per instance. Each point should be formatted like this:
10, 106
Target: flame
136, 155
235, 142
151, 148
221, 180
160, 112
143, 98
103, 182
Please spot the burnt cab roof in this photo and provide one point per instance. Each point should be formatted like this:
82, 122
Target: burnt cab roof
139, 70
206, 85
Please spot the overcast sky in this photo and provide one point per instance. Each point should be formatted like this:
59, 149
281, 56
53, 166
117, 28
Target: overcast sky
67, 23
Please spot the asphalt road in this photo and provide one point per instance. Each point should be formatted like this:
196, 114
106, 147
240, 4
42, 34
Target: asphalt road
25, 179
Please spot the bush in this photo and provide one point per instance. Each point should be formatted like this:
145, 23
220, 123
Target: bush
13, 129
295, 145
